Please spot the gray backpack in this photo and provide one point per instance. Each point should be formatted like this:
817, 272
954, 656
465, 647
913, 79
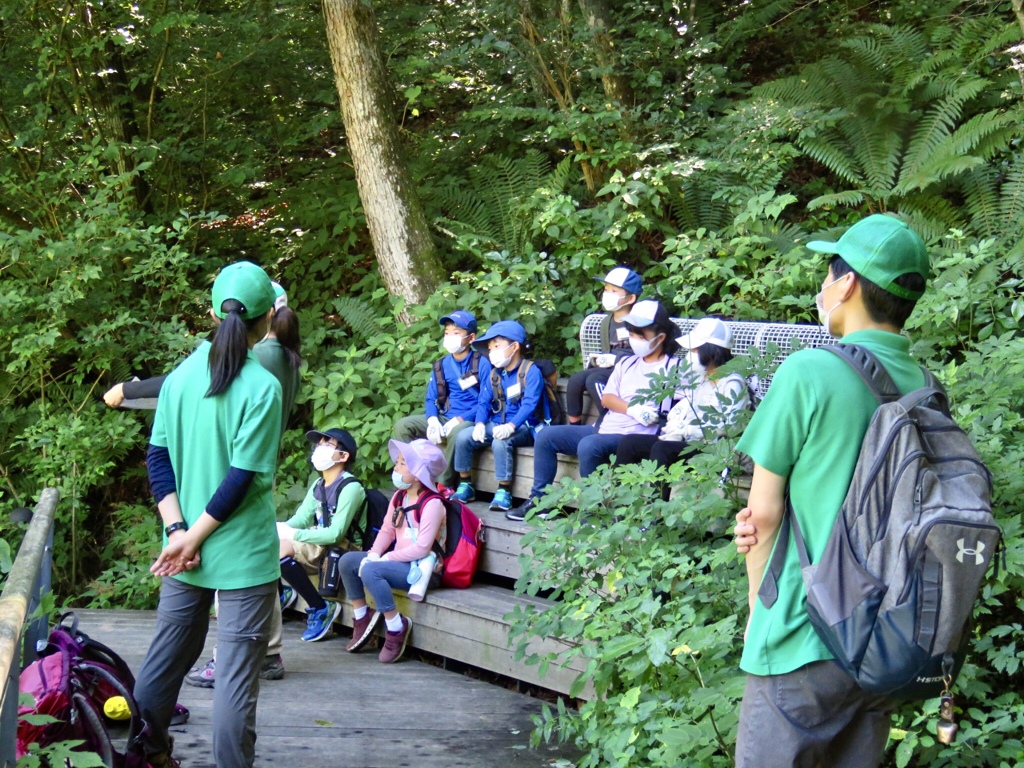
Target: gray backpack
894, 590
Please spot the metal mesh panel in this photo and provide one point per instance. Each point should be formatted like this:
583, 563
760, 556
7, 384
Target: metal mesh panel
744, 336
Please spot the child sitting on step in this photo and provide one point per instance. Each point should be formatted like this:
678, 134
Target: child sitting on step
504, 421
415, 525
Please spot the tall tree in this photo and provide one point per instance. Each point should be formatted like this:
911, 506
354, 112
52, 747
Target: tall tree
405, 251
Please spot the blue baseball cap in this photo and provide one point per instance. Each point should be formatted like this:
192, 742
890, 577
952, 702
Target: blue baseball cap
461, 318
507, 329
624, 278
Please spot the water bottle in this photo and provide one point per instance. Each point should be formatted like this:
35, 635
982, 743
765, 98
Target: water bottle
330, 573
420, 572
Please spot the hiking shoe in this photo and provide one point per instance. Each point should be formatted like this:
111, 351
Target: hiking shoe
203, 676
362, 630
502, 500
318, 623
519, 513
288, 597
465, 493
162, 760
394, 642
273, 668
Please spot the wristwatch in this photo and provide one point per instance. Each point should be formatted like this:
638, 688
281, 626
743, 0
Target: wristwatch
181, 525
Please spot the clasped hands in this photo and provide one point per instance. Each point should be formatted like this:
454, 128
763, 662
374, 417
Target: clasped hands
180, 555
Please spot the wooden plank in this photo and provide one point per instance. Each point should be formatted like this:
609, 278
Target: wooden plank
335, 708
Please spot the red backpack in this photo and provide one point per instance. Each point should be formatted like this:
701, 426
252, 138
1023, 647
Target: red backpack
464, 536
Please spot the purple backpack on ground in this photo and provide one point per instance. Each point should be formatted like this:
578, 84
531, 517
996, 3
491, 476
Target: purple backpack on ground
71, 681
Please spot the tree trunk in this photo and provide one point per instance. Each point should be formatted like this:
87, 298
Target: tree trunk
398, 228
616, 87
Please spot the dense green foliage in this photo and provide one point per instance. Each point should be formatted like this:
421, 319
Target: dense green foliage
143, 145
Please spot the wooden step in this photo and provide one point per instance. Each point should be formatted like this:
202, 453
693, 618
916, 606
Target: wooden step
500, 553
469, 626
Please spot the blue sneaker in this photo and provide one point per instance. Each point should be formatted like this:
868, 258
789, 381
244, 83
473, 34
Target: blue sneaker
288, 597
464, 493
318, 623
502, 500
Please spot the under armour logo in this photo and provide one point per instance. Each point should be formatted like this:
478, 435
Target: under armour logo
979, 547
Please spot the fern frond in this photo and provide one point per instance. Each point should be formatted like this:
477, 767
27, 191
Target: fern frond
981, 198
1011, 193
849, 198
877, 148
931, 216
360, 317
834, 155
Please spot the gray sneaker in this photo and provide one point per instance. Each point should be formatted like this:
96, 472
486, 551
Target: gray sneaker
273, 668
203, 676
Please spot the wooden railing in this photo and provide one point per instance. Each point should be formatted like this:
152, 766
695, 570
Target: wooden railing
27, 582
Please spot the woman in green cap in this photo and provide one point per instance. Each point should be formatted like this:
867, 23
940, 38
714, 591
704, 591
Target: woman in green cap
211, 461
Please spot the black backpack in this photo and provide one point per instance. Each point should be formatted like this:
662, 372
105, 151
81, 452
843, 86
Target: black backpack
894, 590
549, 409
368, 521
442, 383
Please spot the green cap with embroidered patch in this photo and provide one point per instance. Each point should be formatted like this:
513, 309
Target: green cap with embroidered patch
881, 248
247, 284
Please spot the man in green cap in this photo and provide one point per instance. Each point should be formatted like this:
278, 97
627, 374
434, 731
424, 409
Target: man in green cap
799, 707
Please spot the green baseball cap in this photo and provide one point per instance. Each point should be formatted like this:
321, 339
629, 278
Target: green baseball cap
246, 283
881, 248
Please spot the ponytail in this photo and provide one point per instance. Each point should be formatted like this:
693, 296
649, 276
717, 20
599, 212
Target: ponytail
229, 346
286, 328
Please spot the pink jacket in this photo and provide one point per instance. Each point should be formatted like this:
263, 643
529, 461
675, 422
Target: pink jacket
411, 543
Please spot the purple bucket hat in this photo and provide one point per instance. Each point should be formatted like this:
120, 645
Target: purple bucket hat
426, 461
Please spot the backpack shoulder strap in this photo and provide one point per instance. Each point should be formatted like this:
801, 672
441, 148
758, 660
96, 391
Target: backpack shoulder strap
497, 392
870, 370
442, 385
474, 362
768, 592
605, 331
524, 366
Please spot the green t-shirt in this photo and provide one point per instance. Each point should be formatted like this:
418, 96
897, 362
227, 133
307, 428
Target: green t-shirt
350, 504
809, 428
274, 358
205, 436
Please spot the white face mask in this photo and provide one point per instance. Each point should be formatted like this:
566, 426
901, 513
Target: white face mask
323, 457
498, 359
454, 345
643, 347
611, 301
819, 303
694, 359
398, 480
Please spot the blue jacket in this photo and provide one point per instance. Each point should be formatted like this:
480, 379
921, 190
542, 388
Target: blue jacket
461, 402
518, 410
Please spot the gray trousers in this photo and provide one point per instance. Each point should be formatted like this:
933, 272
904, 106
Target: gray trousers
813, 717
413, 427
243, 629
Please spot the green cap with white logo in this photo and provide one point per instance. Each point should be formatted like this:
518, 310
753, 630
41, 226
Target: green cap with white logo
881, 248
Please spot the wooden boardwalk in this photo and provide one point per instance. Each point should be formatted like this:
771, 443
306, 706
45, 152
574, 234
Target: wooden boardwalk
340, 710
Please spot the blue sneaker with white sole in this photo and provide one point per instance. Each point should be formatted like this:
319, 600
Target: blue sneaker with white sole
318, 623
502, 500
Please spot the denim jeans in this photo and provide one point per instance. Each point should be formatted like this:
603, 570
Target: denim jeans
504, 450
592, 448
378, 578
814, 716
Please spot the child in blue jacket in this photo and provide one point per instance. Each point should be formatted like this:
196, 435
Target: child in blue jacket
506, 420
453, 391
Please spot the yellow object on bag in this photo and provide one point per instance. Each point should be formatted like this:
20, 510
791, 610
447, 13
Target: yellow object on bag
116, 708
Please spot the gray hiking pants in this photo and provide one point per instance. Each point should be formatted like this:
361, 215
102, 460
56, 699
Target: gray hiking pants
813, 717
243, 628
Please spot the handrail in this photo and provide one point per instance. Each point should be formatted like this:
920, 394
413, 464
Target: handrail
28, 580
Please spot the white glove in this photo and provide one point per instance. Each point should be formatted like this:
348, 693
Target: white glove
450, 425
371, 557
435, 432
503, 431
645, 414
480, 432
285, 532
604, 361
